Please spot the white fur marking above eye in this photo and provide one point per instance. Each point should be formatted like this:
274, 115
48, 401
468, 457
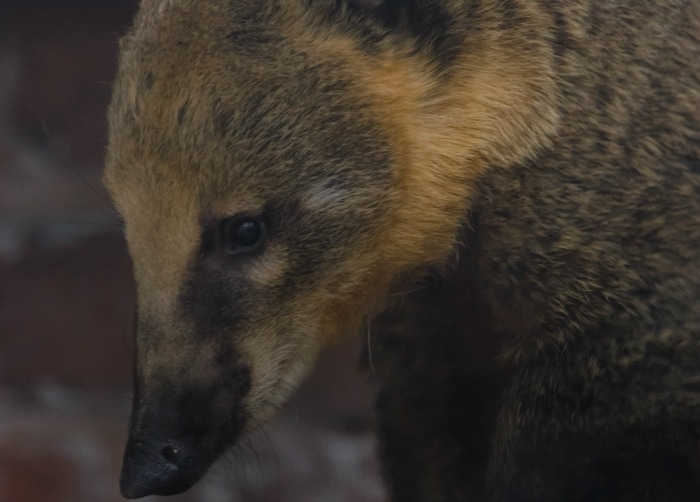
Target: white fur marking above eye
322, 196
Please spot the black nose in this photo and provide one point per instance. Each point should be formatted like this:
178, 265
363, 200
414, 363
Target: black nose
157, 468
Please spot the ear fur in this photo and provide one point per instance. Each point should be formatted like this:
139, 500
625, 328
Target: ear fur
427, 22
387, 12
417, 15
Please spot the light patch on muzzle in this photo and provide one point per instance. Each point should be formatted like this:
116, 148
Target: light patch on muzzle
279, 361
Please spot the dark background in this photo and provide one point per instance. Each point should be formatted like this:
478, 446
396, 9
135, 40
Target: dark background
66, 297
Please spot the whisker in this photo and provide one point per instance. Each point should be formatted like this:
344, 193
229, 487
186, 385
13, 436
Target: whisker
369, 349
260, 429
408, 292
254, 452
94, 190
72, 167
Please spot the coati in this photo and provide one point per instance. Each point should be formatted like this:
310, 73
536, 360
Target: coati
510, 189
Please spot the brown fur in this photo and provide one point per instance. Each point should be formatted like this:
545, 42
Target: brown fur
529, 166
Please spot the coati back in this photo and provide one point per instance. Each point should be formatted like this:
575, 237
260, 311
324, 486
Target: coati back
529, 170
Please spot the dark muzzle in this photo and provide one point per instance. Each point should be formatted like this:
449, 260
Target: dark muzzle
176, 434
159, 466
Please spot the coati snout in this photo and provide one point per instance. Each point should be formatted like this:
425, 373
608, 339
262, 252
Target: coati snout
178, 430
188, 407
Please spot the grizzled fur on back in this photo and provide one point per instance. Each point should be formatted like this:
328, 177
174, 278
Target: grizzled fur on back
529, 170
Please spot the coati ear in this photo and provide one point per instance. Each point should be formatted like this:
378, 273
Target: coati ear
365, 4
393, 13
427, 21
388, 12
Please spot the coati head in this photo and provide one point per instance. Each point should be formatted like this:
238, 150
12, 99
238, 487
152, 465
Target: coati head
279, 165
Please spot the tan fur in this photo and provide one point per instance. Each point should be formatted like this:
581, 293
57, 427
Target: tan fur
437, 168
497, 109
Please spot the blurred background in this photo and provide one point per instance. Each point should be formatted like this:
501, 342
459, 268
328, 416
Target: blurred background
66, 297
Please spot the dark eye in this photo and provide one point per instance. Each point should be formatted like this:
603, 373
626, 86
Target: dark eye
243, 235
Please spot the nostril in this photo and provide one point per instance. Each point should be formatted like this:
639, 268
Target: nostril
170, 453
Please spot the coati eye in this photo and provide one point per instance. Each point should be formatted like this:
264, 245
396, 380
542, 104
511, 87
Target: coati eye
243, 234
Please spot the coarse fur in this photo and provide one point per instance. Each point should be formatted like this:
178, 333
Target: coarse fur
528, 169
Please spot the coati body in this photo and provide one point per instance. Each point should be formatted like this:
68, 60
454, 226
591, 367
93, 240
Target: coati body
513, 184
